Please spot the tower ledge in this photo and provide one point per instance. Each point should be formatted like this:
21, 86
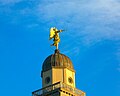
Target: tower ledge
57, 89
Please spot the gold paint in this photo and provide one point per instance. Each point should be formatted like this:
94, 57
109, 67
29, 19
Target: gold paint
54, 34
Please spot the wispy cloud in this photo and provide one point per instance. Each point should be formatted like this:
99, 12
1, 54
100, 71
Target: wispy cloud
7, 2
16, 11
96, 20
118, 69
93, 20
118, 57
86, 21
72, 51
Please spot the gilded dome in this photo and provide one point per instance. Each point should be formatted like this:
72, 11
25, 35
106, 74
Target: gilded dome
57, 60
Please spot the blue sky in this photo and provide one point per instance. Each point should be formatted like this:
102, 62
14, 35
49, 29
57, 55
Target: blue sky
91, 40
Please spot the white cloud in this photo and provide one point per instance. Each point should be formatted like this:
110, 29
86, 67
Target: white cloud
72, 51
95, 19
90, 20
6, 2
118, 69
118, 57
86, 21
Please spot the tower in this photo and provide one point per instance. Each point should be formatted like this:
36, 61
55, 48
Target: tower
58, 77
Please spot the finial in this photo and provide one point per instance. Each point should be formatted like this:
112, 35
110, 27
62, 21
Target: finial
54, 34
57, 51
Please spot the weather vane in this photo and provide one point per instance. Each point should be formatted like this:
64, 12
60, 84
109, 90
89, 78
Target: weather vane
54, 34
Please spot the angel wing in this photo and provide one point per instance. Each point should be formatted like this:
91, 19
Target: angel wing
52, 32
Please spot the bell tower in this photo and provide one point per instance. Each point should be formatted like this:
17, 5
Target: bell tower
58, 76
57, 68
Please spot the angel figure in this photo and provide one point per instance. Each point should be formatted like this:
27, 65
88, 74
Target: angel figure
54, 33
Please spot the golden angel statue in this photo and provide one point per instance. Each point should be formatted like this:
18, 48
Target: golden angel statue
54, 34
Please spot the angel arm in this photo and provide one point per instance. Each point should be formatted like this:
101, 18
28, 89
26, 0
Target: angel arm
60, 31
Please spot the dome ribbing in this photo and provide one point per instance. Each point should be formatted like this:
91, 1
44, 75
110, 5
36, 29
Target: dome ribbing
57, 60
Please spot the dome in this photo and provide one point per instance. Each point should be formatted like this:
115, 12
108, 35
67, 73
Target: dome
57, 60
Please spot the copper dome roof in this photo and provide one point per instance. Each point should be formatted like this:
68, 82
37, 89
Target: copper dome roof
57, 60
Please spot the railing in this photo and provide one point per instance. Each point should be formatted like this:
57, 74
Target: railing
56, 86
